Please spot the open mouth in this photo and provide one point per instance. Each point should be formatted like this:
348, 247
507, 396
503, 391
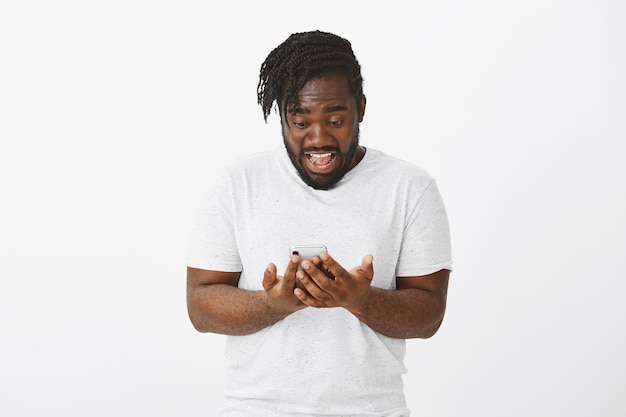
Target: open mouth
320, 162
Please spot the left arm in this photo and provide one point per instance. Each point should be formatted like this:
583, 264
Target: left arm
415, 309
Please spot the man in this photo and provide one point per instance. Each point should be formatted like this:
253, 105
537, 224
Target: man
325, 336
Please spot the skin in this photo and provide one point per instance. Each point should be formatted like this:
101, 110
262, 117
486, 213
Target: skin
325, 121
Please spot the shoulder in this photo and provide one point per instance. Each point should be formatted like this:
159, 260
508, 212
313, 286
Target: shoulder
239, 171
253, 166
259, 160
391, 167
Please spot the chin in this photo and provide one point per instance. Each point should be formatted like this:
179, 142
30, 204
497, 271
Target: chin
318, 181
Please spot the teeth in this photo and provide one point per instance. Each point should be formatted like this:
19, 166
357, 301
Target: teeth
320, 155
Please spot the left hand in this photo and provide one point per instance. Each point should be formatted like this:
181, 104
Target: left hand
349, 289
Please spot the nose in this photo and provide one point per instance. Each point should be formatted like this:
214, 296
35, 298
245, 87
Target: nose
319, 135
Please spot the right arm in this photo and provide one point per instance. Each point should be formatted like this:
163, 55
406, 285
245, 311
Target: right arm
215, 304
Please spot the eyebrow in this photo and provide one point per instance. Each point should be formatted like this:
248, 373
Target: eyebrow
330, 109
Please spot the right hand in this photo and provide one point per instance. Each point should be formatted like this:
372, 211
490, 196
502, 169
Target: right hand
279, 290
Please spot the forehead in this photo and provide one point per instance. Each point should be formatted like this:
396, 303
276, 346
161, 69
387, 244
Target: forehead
332, 88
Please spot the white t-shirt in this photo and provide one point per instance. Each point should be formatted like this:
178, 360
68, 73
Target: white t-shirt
319, 362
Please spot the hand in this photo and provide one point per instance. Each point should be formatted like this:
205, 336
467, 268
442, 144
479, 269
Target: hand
348, 289
279, 290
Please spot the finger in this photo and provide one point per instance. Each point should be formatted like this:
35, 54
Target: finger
316, 282
319, 264
367, 266
307, 299
331, 268
308, 291
269, 276
292, 267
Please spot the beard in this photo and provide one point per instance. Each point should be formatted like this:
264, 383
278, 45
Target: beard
323, 181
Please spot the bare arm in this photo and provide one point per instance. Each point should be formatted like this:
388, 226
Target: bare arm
215, 303
414, 310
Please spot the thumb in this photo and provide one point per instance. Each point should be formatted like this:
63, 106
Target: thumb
269, 276
367, 266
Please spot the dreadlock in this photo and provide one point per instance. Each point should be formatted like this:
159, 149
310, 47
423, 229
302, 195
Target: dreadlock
300, 58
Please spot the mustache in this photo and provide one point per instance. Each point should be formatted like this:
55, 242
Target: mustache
319, 149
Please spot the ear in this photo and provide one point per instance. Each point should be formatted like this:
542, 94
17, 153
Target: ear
363, 102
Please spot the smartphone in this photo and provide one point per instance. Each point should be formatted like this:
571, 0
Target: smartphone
306, 251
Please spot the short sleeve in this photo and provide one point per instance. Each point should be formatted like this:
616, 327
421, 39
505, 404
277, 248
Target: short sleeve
426, 246
212, 243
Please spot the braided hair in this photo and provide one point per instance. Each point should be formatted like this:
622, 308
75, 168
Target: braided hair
300, 58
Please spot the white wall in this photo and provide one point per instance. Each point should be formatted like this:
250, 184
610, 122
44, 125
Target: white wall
114, 114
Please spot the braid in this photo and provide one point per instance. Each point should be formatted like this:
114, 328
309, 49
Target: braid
302, 57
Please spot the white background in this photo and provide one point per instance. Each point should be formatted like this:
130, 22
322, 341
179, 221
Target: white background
114, 114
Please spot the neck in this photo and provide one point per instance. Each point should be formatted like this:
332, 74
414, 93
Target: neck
358, 156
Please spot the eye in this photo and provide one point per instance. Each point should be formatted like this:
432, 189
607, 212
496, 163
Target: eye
335, 123
300, 125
